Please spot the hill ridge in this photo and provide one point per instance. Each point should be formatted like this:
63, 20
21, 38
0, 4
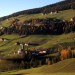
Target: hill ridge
59, 6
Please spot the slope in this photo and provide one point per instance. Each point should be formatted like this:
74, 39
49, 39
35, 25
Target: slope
44, 41
61, 68
61, 15
59, 6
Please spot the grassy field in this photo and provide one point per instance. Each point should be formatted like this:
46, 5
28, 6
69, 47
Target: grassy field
8, 47
65, 15
44, 41
61, 68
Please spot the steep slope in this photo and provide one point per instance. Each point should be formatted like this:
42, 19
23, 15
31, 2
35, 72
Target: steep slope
61, 15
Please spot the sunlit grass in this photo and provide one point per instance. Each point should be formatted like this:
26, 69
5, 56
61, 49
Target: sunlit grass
44, 41
61, 68
65, 15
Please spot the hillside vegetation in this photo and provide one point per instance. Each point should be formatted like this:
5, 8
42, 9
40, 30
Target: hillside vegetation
64, 15
49, 31
44, 41
8, 47
62, 5
61, 68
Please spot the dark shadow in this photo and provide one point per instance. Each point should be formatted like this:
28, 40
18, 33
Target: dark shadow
17, 74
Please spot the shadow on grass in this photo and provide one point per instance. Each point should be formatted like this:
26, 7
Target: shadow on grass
17, 74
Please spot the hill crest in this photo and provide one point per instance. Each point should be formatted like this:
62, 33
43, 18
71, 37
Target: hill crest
59, 6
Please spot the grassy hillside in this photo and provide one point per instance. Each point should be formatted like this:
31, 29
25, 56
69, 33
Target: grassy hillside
61, 68
8, 47
66, 15
44, 41
59, 6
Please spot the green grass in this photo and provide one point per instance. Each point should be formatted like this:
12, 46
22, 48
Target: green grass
61, 15
61, 68
45, 41
66, 15
13, 36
